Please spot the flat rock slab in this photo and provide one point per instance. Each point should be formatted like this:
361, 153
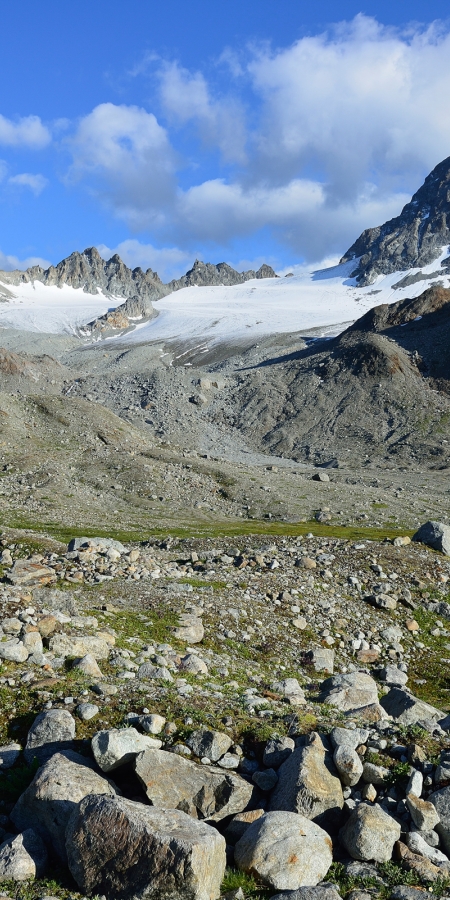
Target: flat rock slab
204, 792
285, 850
79, 645
52, 796
26, 572
324, 891
123, 849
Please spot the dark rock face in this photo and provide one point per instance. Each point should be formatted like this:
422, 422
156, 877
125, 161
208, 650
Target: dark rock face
413, 239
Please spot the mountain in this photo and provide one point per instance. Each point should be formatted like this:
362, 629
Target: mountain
204, 275
413, 239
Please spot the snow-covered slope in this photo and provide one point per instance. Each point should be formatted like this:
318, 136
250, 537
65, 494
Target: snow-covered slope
205, 316
325, 300
51, 309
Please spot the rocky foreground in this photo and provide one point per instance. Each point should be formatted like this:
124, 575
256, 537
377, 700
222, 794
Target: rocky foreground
181, 719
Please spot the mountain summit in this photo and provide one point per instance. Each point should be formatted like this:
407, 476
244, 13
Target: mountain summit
413, 239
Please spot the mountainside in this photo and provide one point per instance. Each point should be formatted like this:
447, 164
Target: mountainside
380, 390
413, 239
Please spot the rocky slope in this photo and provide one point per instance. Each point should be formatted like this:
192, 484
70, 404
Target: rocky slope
150, 694
413, 239
380, 390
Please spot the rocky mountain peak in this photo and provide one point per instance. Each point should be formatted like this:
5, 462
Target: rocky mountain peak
413, 239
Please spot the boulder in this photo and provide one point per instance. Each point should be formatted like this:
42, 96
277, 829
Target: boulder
277, 751
50, 799
190, 629
350, 691
204, 792
13, 650
99, 544
123, 849
52, 731
348, 764
88, 665
370, 833
407, 709
321, 659
417, 844
349, 737
285, 850
422, 812
79, 645
212, 744
434, 534
22, 857
9, 754
118, 746
323, 891
441, 802
308, 784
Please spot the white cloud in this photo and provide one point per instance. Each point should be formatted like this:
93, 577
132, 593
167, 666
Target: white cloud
168, 262
187, 97
128, 158
343, 126
35, 183
24, 132
8, 262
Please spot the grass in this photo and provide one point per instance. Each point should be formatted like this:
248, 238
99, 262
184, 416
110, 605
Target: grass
223, 528
234, 879
427, 665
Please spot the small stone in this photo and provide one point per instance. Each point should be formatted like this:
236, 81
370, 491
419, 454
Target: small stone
423, 812
152, 724
86, 711
211, 744
265, 779
412, 625
9, 754
88, 666
348, 764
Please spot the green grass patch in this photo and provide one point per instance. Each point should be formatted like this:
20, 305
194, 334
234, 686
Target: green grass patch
234, 879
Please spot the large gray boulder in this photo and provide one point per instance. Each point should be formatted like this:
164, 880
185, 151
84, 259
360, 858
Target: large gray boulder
52, 796
308, 784
407, 709
204, 792
23, 857
211, 744
441, 802
118, 746
285, 850
52, 731
370, 833
436, 535
349, 691
126, 850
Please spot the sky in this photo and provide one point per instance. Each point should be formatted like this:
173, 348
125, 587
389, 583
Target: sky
247, 132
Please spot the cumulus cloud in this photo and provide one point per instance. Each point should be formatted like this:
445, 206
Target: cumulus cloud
27, 131
343, 127
35, 183
168, 262
127, 158
9, 262
187, 97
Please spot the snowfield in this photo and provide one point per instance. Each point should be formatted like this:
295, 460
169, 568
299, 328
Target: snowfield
323, 301
50, 309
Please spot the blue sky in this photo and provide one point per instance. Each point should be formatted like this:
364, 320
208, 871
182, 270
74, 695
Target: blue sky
244, 131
